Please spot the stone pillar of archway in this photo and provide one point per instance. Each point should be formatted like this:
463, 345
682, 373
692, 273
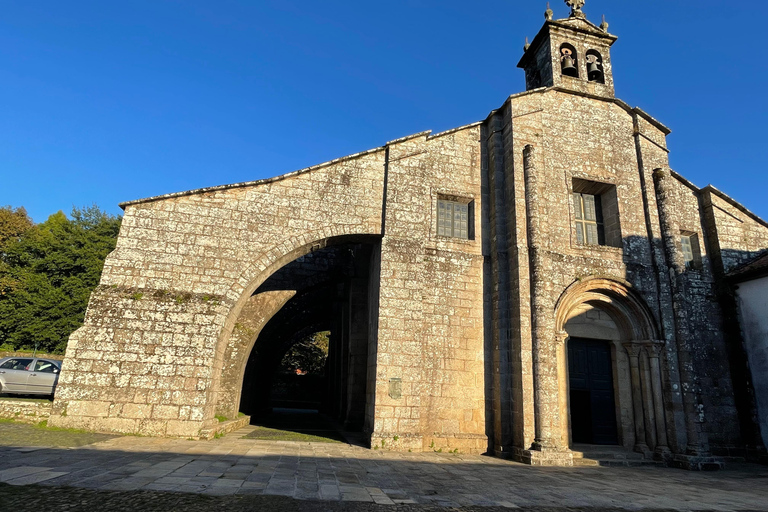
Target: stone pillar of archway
662, 451
253, 317
634, 350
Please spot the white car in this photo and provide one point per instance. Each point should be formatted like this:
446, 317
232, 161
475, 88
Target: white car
29, 375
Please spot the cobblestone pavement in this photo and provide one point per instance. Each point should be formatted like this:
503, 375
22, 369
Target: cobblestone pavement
331, 476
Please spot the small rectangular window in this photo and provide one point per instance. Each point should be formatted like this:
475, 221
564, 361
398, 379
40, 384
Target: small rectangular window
589, 219
689, 243
453, 219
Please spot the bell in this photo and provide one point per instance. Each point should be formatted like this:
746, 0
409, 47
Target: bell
568, 67
594, 73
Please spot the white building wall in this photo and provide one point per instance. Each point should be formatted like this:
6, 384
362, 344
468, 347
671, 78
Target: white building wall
753, 313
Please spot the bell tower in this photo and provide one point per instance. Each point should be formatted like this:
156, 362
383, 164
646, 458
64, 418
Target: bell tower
570, 53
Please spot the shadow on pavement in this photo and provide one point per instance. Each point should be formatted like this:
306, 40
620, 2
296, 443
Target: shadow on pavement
236, 473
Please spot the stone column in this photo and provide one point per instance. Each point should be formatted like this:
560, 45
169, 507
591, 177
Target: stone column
544, 339
633, 349
670, 231
649, 415
562, 370
662, 447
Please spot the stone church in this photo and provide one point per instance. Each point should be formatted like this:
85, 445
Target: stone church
524, 286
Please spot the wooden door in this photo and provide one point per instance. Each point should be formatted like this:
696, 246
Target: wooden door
593, 410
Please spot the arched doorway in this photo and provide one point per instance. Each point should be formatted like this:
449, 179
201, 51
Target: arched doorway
612, 389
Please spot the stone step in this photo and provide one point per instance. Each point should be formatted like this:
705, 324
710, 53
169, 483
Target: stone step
600, 455
609, 456
588, 462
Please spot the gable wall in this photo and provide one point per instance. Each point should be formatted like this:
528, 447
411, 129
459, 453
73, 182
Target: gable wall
150, 355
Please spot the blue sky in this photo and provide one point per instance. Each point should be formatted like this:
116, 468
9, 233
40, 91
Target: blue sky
104, 102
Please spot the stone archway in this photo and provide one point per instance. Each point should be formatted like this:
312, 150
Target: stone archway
326, 286
608, 312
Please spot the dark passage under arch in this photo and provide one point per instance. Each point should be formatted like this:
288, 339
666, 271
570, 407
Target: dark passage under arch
331, 288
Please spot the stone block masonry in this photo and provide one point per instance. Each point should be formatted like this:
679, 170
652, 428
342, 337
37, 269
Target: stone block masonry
574, 293
27, 411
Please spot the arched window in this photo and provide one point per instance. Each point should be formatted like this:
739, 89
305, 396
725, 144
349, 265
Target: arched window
595, 67
569, 64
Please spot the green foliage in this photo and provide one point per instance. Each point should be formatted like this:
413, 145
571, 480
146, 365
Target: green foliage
221, 418
52, 268
308, 355
13, 224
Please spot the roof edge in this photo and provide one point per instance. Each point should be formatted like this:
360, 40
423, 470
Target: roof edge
454, 130
242, 184
739, 274
684, 180
623, 104
424, 134
728, 199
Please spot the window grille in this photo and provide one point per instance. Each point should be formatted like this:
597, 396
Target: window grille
452, 219
589, 219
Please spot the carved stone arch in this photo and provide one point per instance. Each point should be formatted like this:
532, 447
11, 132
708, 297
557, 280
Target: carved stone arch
627, 309
636, 331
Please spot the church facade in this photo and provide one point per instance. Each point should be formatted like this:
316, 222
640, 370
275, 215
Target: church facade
524, 286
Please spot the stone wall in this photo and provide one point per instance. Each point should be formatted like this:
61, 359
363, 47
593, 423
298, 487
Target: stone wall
150, 356
173, 321
580, 138
26, 411
717, 415
430, 332
440, 342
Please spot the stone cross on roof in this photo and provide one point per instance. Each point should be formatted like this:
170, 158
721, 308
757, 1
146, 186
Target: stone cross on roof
575, 6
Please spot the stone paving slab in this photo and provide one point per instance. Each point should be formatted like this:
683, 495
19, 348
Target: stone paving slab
327, 473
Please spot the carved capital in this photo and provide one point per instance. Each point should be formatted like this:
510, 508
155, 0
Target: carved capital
633, 348
561, 337
655, 348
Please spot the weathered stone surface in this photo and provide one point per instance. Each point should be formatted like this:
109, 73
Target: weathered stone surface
442, 342
28, 411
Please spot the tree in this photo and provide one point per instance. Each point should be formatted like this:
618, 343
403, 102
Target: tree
13, 224
53, 266
308, 355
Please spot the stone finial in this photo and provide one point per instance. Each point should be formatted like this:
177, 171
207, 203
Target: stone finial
549, 13
527, 45
604, 25
576, 6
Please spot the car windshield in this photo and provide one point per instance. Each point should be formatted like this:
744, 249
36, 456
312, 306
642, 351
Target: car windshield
16, 364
